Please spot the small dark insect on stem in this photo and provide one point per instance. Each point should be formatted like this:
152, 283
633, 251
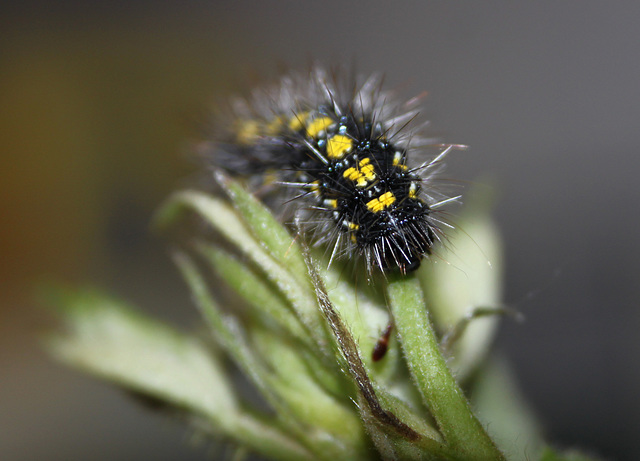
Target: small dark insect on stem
382, 345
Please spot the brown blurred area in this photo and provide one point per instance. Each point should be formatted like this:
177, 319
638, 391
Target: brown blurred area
97, 104
94, 116
99, 99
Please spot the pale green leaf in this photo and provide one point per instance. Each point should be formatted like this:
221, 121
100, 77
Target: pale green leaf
110, 340
465, 275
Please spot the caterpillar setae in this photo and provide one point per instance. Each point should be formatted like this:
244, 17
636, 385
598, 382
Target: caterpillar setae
343, 152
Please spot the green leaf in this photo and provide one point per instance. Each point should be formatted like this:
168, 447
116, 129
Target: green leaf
233, 338
333, 426
465, 275
551, 454
262, 296
265, 227
234, 229
105, 338
108, 339
499, 403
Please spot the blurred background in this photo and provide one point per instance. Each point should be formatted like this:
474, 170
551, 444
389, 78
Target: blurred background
99, 99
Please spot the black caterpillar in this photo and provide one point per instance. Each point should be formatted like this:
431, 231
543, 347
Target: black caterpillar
343, 147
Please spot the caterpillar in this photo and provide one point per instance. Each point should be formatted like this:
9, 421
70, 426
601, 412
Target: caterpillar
343, 153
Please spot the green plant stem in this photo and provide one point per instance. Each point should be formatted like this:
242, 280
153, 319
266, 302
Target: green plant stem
461, 430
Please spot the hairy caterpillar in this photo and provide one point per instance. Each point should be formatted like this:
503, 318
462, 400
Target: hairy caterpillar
343, 152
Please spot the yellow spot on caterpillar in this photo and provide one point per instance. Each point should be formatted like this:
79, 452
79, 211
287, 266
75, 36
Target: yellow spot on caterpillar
362, 175
350, 225
353, 238
338, 146
367, 169
331, 203
298, 120
384, 201
351, 173
247, 131
318, 125
397, 161
275, 126
315, 188
413, 190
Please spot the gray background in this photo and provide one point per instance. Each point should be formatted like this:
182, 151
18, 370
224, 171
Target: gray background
98, 99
